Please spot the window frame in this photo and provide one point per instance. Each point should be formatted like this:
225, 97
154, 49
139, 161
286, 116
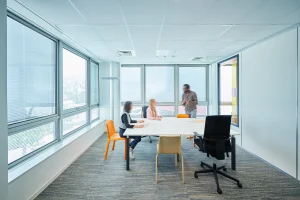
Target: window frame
141, 102
96, 105
23, 125
57, 118
237, 91
87, 84
200, 103
177, 100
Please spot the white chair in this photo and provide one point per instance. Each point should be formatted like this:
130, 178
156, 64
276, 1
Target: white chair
169, 145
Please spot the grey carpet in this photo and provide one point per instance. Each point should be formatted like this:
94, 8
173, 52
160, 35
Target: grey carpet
92, 178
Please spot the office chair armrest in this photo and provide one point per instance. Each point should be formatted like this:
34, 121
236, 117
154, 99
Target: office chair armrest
196, 134
216, 140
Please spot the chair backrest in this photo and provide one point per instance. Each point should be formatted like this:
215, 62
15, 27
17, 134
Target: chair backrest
169, 145
144, 111
110, 128
182, 116
217, 127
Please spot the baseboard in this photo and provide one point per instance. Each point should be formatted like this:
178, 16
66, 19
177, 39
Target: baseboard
39, 191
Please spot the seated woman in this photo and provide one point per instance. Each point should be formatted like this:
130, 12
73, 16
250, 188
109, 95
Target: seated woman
125, 123
152, 112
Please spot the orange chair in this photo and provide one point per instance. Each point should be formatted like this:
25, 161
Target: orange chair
182, 116
113, 136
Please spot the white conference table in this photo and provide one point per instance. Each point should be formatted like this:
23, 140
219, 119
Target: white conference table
173, 126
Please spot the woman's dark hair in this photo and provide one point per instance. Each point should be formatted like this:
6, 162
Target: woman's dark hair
127, 106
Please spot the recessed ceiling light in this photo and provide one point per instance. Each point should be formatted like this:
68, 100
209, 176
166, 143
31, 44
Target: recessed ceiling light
198, 59
126, 53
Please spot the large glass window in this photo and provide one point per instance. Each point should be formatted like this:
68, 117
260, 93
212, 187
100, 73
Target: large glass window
74, 80
74, 122
228, 88
23, 143
31, 72
160, 83
94, 83
34, 83
196, 78
166, 110
94, 114
131, 84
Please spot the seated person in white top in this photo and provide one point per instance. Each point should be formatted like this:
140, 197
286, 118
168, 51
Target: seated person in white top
152, 112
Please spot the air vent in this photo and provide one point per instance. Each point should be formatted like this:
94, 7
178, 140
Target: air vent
198, 59
125, 53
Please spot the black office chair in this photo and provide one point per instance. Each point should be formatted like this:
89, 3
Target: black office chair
144, 115
216, 142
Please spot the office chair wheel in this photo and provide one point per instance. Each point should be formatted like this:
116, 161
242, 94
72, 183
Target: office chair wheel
219, 191
239, 185
196, 175
224, 169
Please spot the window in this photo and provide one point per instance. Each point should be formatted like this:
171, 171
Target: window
228, 88
131, 84
135, 113
31, 72
166, 110
160, 84
23, 143
140, 83
94, 114
94, 84
196, 78
34, 82
74, 80
74, 122
201, 110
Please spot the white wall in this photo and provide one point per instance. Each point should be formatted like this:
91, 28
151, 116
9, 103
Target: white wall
104, 71
298, 132
33, 182
269, 100
115, 72
3, 103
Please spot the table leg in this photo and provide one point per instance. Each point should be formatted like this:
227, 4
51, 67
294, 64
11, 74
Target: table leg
178, 157
127, 153
233, 153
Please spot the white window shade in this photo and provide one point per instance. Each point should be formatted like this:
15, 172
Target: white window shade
196, 78
31, 73
131, 84
160, 83
74, 80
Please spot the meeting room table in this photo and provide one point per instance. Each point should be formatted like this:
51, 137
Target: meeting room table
172, 126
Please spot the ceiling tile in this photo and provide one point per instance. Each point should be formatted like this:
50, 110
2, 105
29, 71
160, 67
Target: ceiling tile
102, 12
80, 33
112, 32
55, 11
271, 11
291, 18
193, 32
251, 32
117, 45
187, 11
139, 12
143, 33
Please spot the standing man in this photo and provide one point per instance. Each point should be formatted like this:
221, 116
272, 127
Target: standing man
189, 101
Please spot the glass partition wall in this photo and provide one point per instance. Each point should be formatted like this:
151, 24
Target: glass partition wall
140, 83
